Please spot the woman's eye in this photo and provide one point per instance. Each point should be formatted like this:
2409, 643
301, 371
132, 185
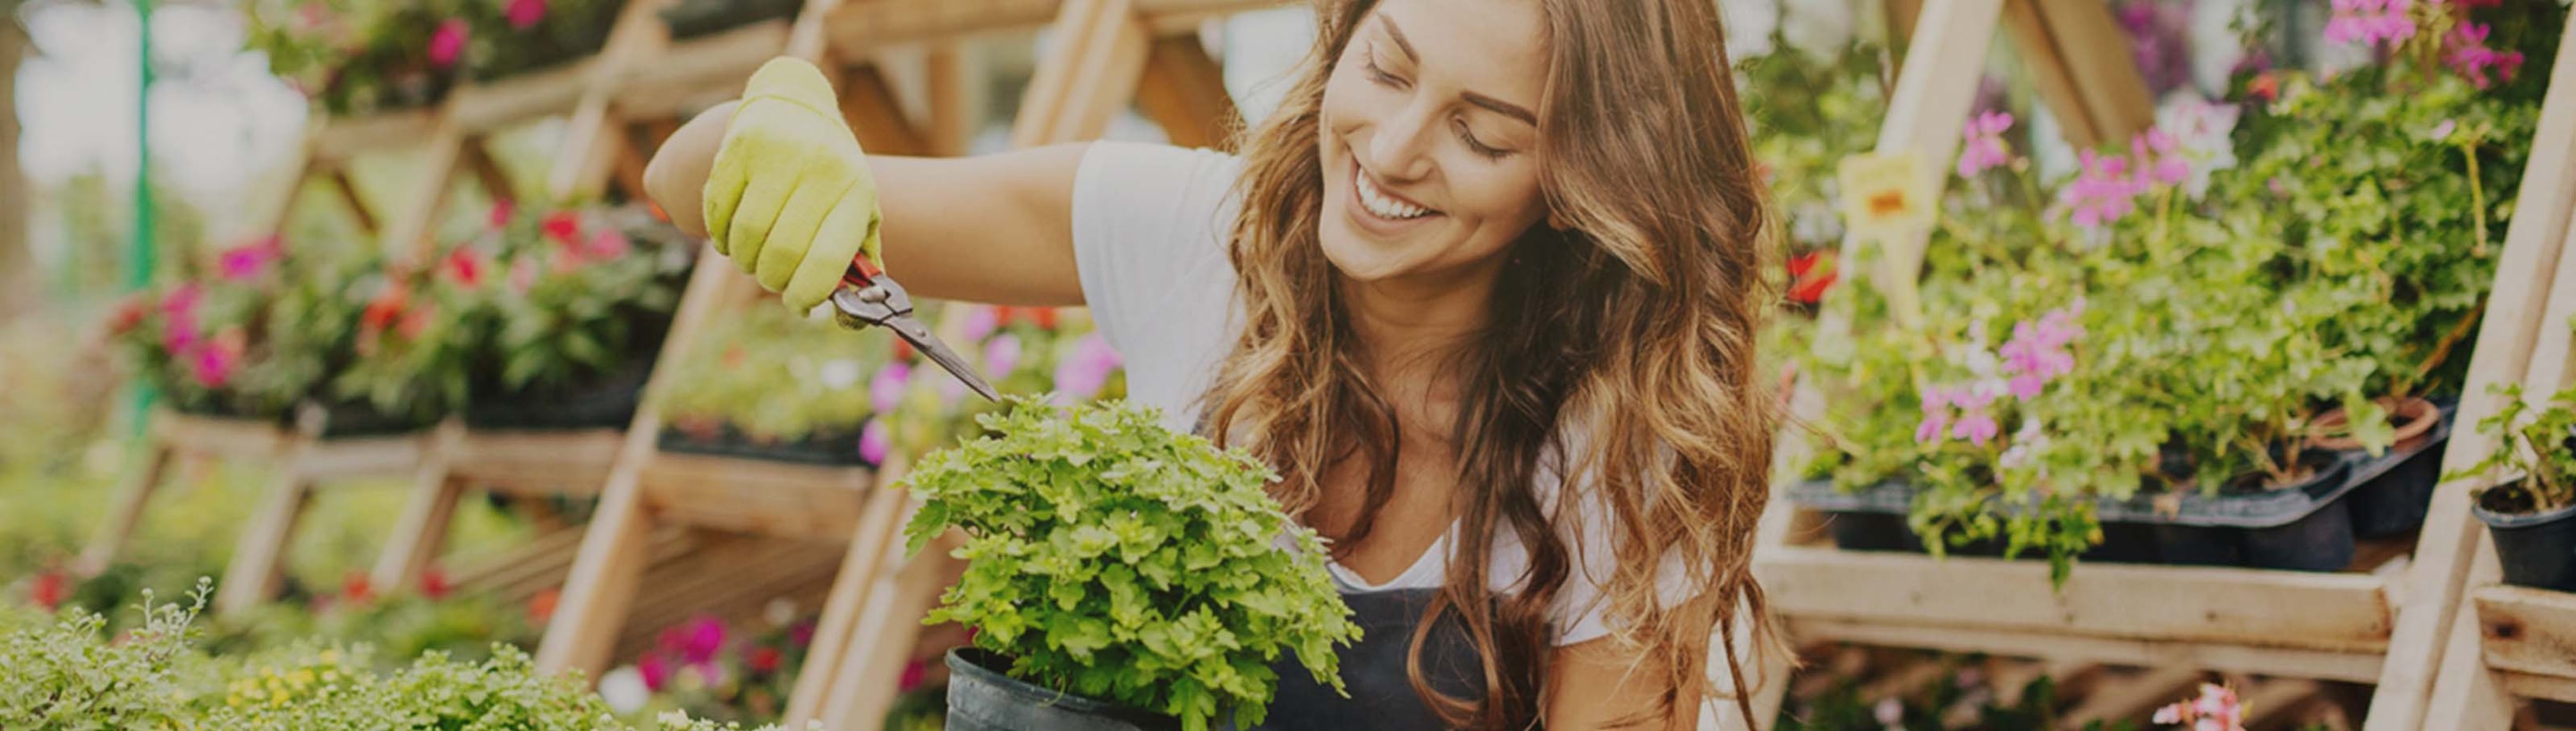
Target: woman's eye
1377, 73
1478, 146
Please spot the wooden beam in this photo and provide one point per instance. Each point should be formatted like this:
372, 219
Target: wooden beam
700, 71
2358, 667
866, 556
2319, 611
2078, 55
412, 216
421, 527
955, 99
1184, 90
485, 108
1087, 77
874, 114
260, 554
125, 510
885, 633
2447, 550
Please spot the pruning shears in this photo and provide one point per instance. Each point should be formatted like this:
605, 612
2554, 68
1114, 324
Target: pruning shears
868, 297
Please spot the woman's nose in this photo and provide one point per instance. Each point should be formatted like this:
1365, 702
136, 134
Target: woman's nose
1400, 147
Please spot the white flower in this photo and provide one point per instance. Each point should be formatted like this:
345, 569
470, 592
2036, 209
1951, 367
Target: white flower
2201, 130
840, 374
624, 690
779, 612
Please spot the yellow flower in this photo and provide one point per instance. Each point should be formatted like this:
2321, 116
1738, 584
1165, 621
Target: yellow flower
1885, 196
329, 657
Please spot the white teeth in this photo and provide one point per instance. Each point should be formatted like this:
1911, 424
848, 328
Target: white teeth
1378, 203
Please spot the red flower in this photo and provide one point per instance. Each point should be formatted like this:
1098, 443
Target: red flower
355, 588
542, 606
433, 584
388, 305
902, 351
2264, 86
129, 314
1810, 275
50, 589
466, 267
564, 228
763, 659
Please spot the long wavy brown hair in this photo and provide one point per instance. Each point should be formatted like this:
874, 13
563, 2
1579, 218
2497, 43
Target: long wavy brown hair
1618, 357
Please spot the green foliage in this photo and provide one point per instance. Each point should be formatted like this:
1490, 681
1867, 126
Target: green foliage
563, 30
2541, 446
253, 338
777, 375
354, 57
1813, 108
1963, 700
66, 675
1112, 558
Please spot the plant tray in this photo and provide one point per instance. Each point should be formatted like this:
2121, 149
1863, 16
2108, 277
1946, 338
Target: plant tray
2309, 526
829, 448
609, 402
356, 419
695, 18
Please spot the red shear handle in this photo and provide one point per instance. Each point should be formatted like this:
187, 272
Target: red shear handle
862, 272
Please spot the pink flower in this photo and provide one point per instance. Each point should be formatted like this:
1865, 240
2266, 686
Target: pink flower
563, 227
1976, 426
1087, 369
700, 640
2159, 159
524, 14
251, 261
2102, 193
502, 211
980, 322
949, 389
607, 244
656, 671
1001, 355
885, 391
447, 43
1984, 147
523, 274
2216, 709
2370, 22
1936, 415
2037, 351
2472, 59
874, 441
212, 365
466, 267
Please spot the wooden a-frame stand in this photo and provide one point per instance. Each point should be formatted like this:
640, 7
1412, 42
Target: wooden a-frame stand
2378, 623
2491, 642
875, 602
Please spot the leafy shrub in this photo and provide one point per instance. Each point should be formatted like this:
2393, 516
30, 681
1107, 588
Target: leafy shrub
1112, 558
2540, 445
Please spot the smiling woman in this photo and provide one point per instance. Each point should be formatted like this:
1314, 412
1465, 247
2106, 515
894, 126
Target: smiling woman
1483, 290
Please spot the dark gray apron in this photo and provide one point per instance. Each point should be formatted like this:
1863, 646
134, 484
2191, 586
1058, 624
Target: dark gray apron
1382, 695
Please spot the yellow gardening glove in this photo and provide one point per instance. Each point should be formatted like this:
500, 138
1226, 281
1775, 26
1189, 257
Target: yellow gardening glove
790, 198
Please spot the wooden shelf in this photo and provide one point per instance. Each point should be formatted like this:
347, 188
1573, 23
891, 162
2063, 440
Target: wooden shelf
699, 71
483, 108
341, 138
757, 496
535, 461
2530, 632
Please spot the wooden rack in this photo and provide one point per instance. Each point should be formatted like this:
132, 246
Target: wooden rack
2374, 623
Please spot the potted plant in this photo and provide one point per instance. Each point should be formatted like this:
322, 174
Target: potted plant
416, 336
781, 386
359, 58
510, 37
2528, 515
571, 322
1119, 575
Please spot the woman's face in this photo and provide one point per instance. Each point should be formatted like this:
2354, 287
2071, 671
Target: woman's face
1429, 137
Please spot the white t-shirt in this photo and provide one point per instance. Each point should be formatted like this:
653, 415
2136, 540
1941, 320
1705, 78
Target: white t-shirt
1150, 227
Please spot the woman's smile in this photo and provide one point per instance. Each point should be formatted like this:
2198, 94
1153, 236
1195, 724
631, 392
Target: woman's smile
1381, 211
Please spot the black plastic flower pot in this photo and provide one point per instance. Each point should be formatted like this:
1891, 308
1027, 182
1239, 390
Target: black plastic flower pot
356, 418
2321, 541
982, 698
695, 18
1861, 530
828, 447
606, 402
2395, 488
2537, 549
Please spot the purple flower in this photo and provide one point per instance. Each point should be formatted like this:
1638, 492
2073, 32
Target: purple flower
1001, 355
2037, 353
2102, 192
700, 640
447, 43
2159, 159
1087, 370
980, 322
213, 365
874, 441
2370, 22
1984, 145
885, 392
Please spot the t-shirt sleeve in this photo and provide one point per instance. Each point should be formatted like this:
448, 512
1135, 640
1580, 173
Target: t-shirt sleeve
1149, 231
1583, 609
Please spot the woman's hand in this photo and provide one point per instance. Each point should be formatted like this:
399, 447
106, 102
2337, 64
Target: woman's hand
790, 198
993, 228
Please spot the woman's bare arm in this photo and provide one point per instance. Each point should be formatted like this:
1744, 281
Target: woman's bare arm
995, 228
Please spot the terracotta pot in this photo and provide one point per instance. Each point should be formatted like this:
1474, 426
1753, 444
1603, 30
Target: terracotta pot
2415, 418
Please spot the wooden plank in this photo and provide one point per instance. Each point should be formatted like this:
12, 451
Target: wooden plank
2096, 52
421, 527
348, 190
2337, 612
2134, 698
260, 554
338, 459
1184, 90
863, 558
2528, 630
2551, 687
860, 25
502, 103
2049, 71
2467, 696
1107, 65
342, 138
700, 71
125, 510
954, 99
2357, 667
2446, 551
190, 433
869, 103
885, 633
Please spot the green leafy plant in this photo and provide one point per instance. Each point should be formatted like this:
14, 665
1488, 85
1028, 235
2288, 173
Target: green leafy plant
2538, 444
514, 36
59, 675
358, 57
774, 375
1110, 557
261, 332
